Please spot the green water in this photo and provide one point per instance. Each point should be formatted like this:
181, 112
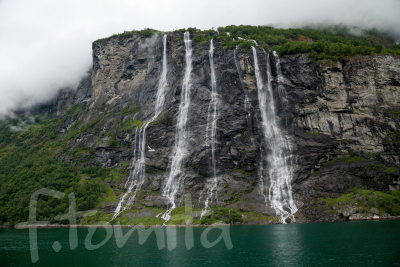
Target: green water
364, 243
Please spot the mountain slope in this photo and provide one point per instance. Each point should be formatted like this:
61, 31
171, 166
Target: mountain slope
342, 120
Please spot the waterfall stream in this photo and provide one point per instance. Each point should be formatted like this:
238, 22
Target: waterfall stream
138, 166
247, 104
214, 103
175, 177
276, 184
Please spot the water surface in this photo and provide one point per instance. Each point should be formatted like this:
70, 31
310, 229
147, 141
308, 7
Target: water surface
364, 243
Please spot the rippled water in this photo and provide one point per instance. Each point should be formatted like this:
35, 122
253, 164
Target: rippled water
365, 243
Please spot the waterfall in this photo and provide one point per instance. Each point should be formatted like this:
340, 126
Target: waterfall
138, 166
276, 187
237, 67
247, 104
175, 178
281, 89
214, 103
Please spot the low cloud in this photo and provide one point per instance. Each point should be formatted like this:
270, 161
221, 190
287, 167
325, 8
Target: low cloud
46, 44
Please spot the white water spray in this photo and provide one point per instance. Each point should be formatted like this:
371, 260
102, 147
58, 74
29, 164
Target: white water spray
276, 188
138, 166
214, 103
175, 178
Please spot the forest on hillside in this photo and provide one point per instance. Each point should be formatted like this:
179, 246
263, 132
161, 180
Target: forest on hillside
326, 43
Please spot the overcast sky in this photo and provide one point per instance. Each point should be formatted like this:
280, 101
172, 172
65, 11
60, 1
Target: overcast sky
46, 44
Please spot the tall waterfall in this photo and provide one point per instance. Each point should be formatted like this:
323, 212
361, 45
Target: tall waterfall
214, 103
247, 103
138, 166
276, 184
175, 178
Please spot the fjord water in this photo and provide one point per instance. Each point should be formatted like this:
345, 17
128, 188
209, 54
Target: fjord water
363, 243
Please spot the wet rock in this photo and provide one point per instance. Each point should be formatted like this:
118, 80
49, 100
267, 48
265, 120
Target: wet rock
385, 216
356, 216
158, 200
148, 204
349, 211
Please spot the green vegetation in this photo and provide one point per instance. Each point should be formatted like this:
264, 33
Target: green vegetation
351, 157
97, 217
223, 215
86, 127
147, 32
394, 137
395, 113
161, 118
322, 44
5, 135
147, 221
128, 125
112, 142
29, 161
130, 110
249, 173
334, 43
386, 202
253, 216
312, 133
389, 170
180, 215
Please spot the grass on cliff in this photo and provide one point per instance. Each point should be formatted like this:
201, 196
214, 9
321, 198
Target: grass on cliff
329, 43
180, 215
386, 202
147, 32
129, 125
223, 215
323, 44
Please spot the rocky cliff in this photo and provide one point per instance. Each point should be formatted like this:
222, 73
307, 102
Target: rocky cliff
342, 120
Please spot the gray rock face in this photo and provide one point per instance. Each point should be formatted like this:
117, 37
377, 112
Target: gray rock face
374, 211
349, 211
341, 120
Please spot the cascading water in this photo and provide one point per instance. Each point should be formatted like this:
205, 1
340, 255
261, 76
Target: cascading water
138, 167
214, 103
247, 103
237, 66
175, 177
276, 188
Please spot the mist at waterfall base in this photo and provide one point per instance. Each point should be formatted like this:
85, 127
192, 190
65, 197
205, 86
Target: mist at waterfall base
362, 243
47, 45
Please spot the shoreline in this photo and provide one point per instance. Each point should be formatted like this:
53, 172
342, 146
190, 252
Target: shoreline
178, 226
